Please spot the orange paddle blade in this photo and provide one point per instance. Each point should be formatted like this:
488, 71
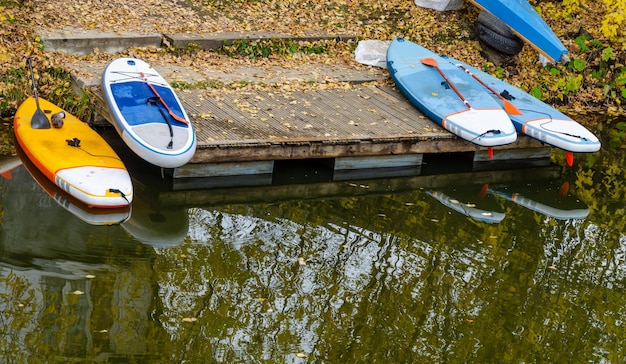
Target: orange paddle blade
429, 62
509, 107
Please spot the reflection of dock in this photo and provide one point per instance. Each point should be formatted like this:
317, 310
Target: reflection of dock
303, 191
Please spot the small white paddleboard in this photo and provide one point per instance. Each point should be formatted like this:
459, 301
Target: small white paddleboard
147, 113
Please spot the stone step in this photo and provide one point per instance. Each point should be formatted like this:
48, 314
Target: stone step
83, 42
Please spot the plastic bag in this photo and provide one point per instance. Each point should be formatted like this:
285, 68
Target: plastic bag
441, 5
372, 52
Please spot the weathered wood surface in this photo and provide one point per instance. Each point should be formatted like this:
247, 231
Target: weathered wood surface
362, 119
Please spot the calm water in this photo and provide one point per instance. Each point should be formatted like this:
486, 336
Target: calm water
447, 269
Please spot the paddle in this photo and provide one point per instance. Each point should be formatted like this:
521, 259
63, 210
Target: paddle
433, 63
508, 106
39, 119
169, 111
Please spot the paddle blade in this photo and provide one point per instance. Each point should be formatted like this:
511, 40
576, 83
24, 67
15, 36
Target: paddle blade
429, 62
510, 108
569, 158
39, 120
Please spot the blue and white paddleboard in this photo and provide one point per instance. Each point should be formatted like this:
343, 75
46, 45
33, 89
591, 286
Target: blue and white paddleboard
147, 113
537, 119
451, 98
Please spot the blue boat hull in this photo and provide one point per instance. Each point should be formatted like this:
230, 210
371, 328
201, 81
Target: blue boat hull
520, 16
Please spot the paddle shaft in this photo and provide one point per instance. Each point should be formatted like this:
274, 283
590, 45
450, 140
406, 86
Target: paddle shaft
156, 93
510, 108
433, 63
39, 119
32, 77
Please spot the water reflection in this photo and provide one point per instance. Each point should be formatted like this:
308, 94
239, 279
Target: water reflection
475, 204
77, 208
363, 271
546, 197
62, 291
156, 226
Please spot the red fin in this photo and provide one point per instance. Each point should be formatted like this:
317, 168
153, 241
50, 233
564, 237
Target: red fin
564, 189
7, 175
569, 158
490, 152
484, 190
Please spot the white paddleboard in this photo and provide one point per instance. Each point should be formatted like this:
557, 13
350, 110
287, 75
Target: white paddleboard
147, 113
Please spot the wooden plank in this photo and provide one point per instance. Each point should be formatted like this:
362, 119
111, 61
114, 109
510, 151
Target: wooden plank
513, 154
355, 168
224, 169
304, 149
384, 161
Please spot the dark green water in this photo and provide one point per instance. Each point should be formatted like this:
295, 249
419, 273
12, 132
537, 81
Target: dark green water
375, 272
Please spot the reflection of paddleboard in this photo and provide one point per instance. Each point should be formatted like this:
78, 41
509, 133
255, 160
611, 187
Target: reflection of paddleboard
480, 119
38, 233
93, 216
157, 227
468, 209
7, 164
557, 212
73, 156
147, 113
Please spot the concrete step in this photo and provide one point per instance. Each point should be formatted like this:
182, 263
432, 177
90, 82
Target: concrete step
83, 42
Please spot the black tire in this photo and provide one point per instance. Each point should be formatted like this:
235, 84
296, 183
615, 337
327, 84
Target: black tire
492, 22
497, 41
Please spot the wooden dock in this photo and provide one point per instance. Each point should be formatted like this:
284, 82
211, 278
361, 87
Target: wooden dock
364, 126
